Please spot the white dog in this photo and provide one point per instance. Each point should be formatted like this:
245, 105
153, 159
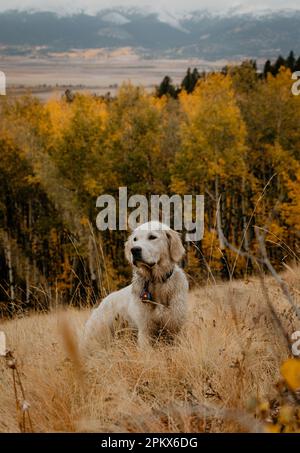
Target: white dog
156, 301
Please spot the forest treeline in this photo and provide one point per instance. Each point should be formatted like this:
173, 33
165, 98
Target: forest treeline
235, 138
191, 78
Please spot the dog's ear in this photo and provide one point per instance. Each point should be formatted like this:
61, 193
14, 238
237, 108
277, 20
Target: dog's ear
175, 246
127, 250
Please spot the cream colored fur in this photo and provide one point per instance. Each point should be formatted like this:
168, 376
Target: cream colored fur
161, 251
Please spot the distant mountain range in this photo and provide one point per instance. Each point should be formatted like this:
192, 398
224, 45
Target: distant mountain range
161, 34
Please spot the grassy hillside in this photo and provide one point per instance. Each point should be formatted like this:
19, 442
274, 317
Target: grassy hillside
222, 371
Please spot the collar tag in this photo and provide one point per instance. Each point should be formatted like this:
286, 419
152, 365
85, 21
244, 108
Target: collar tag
146, 296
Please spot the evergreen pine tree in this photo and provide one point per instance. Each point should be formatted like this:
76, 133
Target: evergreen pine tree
278, 64
166, 88
290, 61
187, 81
267, 68
195, 78
225, 70
297, 65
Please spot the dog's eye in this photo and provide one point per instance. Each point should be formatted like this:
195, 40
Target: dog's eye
151, 237
134, 239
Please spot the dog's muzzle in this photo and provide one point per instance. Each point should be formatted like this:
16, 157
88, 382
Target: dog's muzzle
136, 254
138, 259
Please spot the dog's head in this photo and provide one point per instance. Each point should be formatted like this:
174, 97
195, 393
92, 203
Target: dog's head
155, 247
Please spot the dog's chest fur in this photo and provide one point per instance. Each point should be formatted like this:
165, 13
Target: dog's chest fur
161, 293
158, 310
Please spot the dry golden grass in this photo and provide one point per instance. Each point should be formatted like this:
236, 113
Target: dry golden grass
229, 354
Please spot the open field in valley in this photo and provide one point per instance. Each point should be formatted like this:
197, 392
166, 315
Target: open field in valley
89, 72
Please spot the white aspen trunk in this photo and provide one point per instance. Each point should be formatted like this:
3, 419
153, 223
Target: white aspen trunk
8, 257
219, 217
245, 231
33, 245
27, 281
91, 259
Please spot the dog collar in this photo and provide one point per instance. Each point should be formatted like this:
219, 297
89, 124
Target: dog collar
168, 275
146, 295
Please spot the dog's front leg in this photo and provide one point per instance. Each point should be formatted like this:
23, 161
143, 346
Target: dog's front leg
143, 339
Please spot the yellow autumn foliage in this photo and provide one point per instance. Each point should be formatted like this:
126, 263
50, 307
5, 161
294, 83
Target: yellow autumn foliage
290, 371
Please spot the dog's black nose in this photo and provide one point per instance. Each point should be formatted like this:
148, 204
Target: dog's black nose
136, 252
